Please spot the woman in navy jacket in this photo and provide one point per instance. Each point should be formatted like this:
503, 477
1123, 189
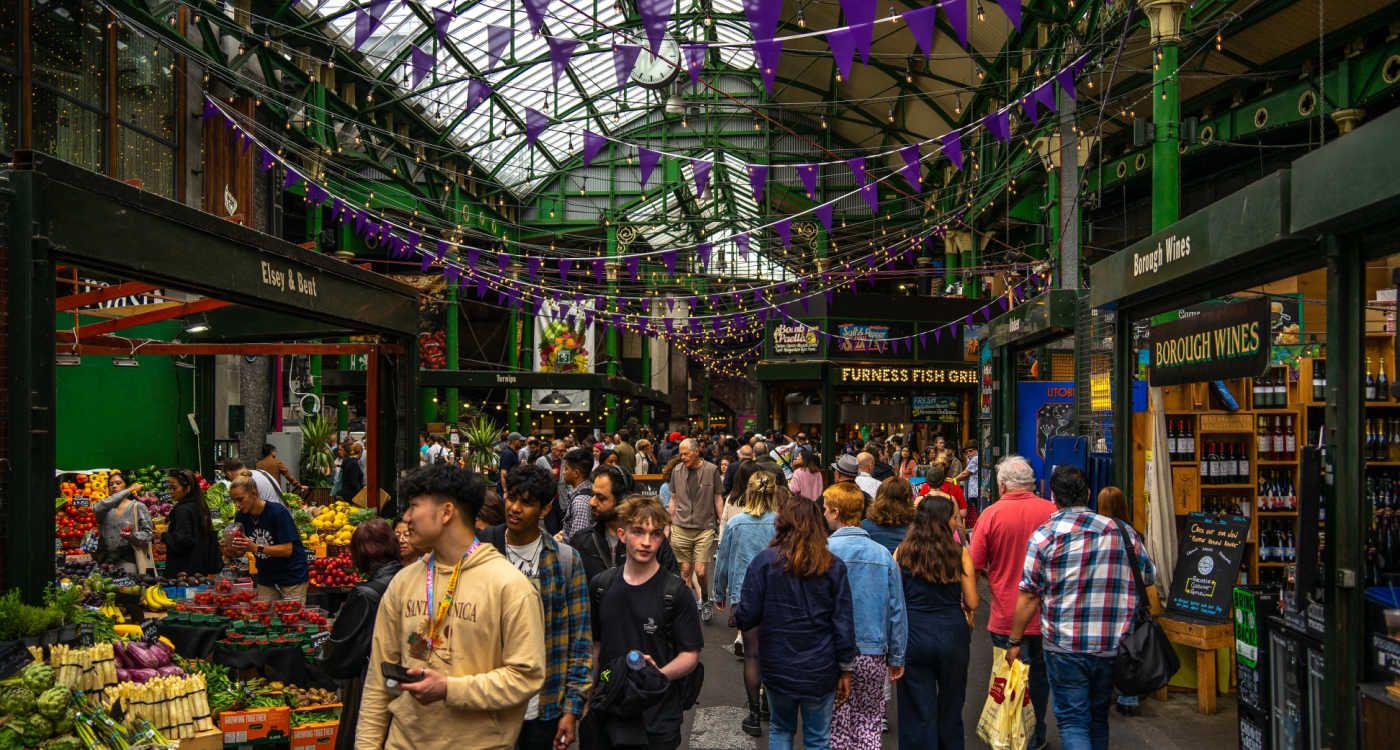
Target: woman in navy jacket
798, 592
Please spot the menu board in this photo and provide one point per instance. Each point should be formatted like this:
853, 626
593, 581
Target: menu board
936, 408
1208, 559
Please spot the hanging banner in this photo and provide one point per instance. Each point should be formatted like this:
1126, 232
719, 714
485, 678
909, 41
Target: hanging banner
1226, 341
564, 345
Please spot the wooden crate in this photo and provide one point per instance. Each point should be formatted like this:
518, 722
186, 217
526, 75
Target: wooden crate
258, 724
1186, 489
1226, 423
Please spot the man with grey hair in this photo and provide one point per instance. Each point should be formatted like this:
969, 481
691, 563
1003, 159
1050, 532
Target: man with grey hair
697, 505
867, 483
999, 550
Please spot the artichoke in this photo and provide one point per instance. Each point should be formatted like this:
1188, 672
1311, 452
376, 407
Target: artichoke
34, 730
17, 701
37, 677
64, 742
53, 702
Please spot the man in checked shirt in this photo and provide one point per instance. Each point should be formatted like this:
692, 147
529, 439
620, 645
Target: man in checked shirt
1078, 573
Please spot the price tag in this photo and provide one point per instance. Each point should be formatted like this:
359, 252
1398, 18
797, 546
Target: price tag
319, 639
149, 631
81, 502
123, 581
1387, 653
87, 633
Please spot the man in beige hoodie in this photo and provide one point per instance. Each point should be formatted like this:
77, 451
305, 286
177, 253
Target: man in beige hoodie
465, 623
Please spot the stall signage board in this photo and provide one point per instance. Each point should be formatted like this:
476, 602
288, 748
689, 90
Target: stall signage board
1208, 559
788, 340
1225, 341
936, 408
868, 338
905, 375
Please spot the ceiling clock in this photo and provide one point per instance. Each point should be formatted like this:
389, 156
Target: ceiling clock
657, 71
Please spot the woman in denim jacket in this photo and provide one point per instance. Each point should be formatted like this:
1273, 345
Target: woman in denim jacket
745, 535
877, 598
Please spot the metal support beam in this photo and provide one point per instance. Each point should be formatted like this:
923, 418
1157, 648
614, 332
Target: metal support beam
154, 316
1166, 158
105, 294
1069, 194
453, 350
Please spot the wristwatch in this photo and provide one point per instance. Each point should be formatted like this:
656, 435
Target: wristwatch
1010, 642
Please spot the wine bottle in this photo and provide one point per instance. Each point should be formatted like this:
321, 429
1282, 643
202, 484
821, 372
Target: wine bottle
1370, 388
1207, 465
1382, 385
1261, 439
1189, 452
1319, 382
1241, 463
1290, 438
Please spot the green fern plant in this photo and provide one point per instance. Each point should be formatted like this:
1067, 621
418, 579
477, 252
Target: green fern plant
479, 438
317, 459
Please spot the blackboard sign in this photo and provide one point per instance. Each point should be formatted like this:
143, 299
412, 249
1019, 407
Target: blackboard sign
1223, 341
150, 631
320, 638
1207, 563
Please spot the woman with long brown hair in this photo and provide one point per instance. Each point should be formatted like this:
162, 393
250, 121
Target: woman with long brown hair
797, 592
940, 594
888, 519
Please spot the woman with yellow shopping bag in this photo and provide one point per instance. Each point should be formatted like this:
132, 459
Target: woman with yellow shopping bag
939, 588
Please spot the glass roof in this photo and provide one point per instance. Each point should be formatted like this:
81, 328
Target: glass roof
493, 133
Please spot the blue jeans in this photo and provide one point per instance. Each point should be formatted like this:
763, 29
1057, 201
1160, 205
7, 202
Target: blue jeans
1083, 691
1033, 653
816, 722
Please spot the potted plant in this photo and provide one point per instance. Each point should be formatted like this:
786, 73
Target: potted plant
317, 459
479, 439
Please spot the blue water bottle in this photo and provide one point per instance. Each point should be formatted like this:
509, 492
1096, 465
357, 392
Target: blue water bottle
635, 660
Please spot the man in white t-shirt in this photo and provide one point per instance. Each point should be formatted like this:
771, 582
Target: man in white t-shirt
267, 487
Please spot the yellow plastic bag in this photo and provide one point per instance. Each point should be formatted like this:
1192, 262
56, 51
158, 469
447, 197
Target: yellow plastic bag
1008, 720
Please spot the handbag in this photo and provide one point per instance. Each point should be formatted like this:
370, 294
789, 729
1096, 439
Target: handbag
1146, 660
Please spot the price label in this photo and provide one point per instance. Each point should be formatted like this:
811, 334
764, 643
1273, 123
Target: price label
87, 633
123, 581
1387, 653
81, 502
319, 639
149, 631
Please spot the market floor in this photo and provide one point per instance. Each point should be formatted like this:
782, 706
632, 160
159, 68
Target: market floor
714, 723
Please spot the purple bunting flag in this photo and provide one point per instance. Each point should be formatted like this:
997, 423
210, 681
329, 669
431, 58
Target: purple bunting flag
477, 91
1067, 83
560, 52
823, 212
999, 125
647, 159
316, 194
763, 17
842, 42
600, 270
473, 256
365, 24
767, 52
694, 56
592, 144
912, 171
742, 241
532, 267
633, 264
857, 165
290, 178
377, 8
668, 259
937, 335
808, 174
425, 262
956, 13
624, 59
497, 39
535, 10
921, 22
758, 178
1028, 105
952, 147
210, 109
452, 274
502, 262
1044, 95
701, 168
535, 123
655, 15
439, 250
442, 18
1012, 9
860, 17
481, 287
923, 338
565, 265
871, 193
422, 63
783, 227
703, 251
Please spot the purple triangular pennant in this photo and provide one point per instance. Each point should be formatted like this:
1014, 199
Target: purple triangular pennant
533, 266
365, 24
701, 168
290, 178
565, 265
1044, 95
477, 91
923, 338
1012, 9
442, 18
600, 270
316, 194
502, 262
763, 17
668, 259
425, 262
921, 22
633, 264
473, 256
624, 59
452, 274
843, 48
999, 125
535, 123
1067, 83
807, 173
937, 335
655, 15
871, 193
767, 52
758, 178
646, 160
560, 52
860, 16
422, 63
440, 249
702, 250
497, 39
857, 166
823, 212
952, 147
783, 227
377, 8
1028, 105
592, 144
535, 10
911, 171
741, 240
694, 56
956, 13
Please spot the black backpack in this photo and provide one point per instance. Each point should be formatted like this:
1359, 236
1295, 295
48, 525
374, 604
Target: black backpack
688, 686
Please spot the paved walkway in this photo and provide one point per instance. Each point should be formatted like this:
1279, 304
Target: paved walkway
1175, 724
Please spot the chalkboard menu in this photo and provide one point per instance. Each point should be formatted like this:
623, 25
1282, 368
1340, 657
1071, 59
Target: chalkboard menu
1208, 559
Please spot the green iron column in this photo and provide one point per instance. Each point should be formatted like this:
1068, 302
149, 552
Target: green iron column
315, 218
513, 360
614, 349
645, 406
451, 313
1165, 17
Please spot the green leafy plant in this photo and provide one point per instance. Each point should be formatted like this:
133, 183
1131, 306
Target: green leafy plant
479, 438
20, 620
317, 460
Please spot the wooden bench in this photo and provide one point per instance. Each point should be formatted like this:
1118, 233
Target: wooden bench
1206, 640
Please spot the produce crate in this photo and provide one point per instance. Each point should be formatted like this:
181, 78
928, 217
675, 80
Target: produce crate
255, 724
210, 740
320, 736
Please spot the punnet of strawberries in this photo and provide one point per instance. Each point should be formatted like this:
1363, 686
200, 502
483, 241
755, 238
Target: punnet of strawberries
333, 572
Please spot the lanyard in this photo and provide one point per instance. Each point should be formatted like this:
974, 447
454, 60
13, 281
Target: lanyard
437, 616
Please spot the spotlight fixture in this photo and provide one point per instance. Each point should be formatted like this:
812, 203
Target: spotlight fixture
555, 398
68, 359
197, 325
127, 361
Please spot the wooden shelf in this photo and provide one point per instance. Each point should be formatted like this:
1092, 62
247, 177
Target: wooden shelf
1286, 410
1273, 462
1381, 405
1277, 514
1205, 487
1185, 463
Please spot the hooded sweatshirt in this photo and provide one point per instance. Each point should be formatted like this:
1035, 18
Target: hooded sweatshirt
494, 658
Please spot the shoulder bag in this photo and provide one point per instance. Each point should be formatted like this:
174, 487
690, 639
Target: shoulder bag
1146, 660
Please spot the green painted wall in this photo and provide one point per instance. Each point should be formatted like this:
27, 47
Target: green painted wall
122, 417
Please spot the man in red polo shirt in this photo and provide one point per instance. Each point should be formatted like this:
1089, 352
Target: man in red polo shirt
999, 550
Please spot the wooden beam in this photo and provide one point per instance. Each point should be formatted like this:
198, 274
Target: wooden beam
105, 294
154, 316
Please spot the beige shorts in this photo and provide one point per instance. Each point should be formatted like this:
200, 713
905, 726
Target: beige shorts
271, 594
693, 545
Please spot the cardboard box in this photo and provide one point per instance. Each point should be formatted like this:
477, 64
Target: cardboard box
320, 736
210, 740
257, 724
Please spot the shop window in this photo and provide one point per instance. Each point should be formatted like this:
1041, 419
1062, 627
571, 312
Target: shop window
68, 130
9, 83
148, 160
145, 86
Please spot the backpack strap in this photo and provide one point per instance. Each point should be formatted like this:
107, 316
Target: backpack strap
567, 556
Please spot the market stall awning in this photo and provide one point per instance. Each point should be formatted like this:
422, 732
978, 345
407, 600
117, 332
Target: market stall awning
591, 381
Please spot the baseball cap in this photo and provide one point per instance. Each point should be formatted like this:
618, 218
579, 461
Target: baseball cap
514, 436
847, 465
674, 436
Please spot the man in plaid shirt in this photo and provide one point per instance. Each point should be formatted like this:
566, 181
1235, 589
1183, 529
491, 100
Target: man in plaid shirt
1078, 574
558, 574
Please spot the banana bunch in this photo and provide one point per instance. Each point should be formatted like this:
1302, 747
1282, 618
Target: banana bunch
154, 599
111, 611
87, 668
177, 706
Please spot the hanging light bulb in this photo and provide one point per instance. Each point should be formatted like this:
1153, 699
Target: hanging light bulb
823, 122
890, 116
957, 104
801, 19
981, 12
